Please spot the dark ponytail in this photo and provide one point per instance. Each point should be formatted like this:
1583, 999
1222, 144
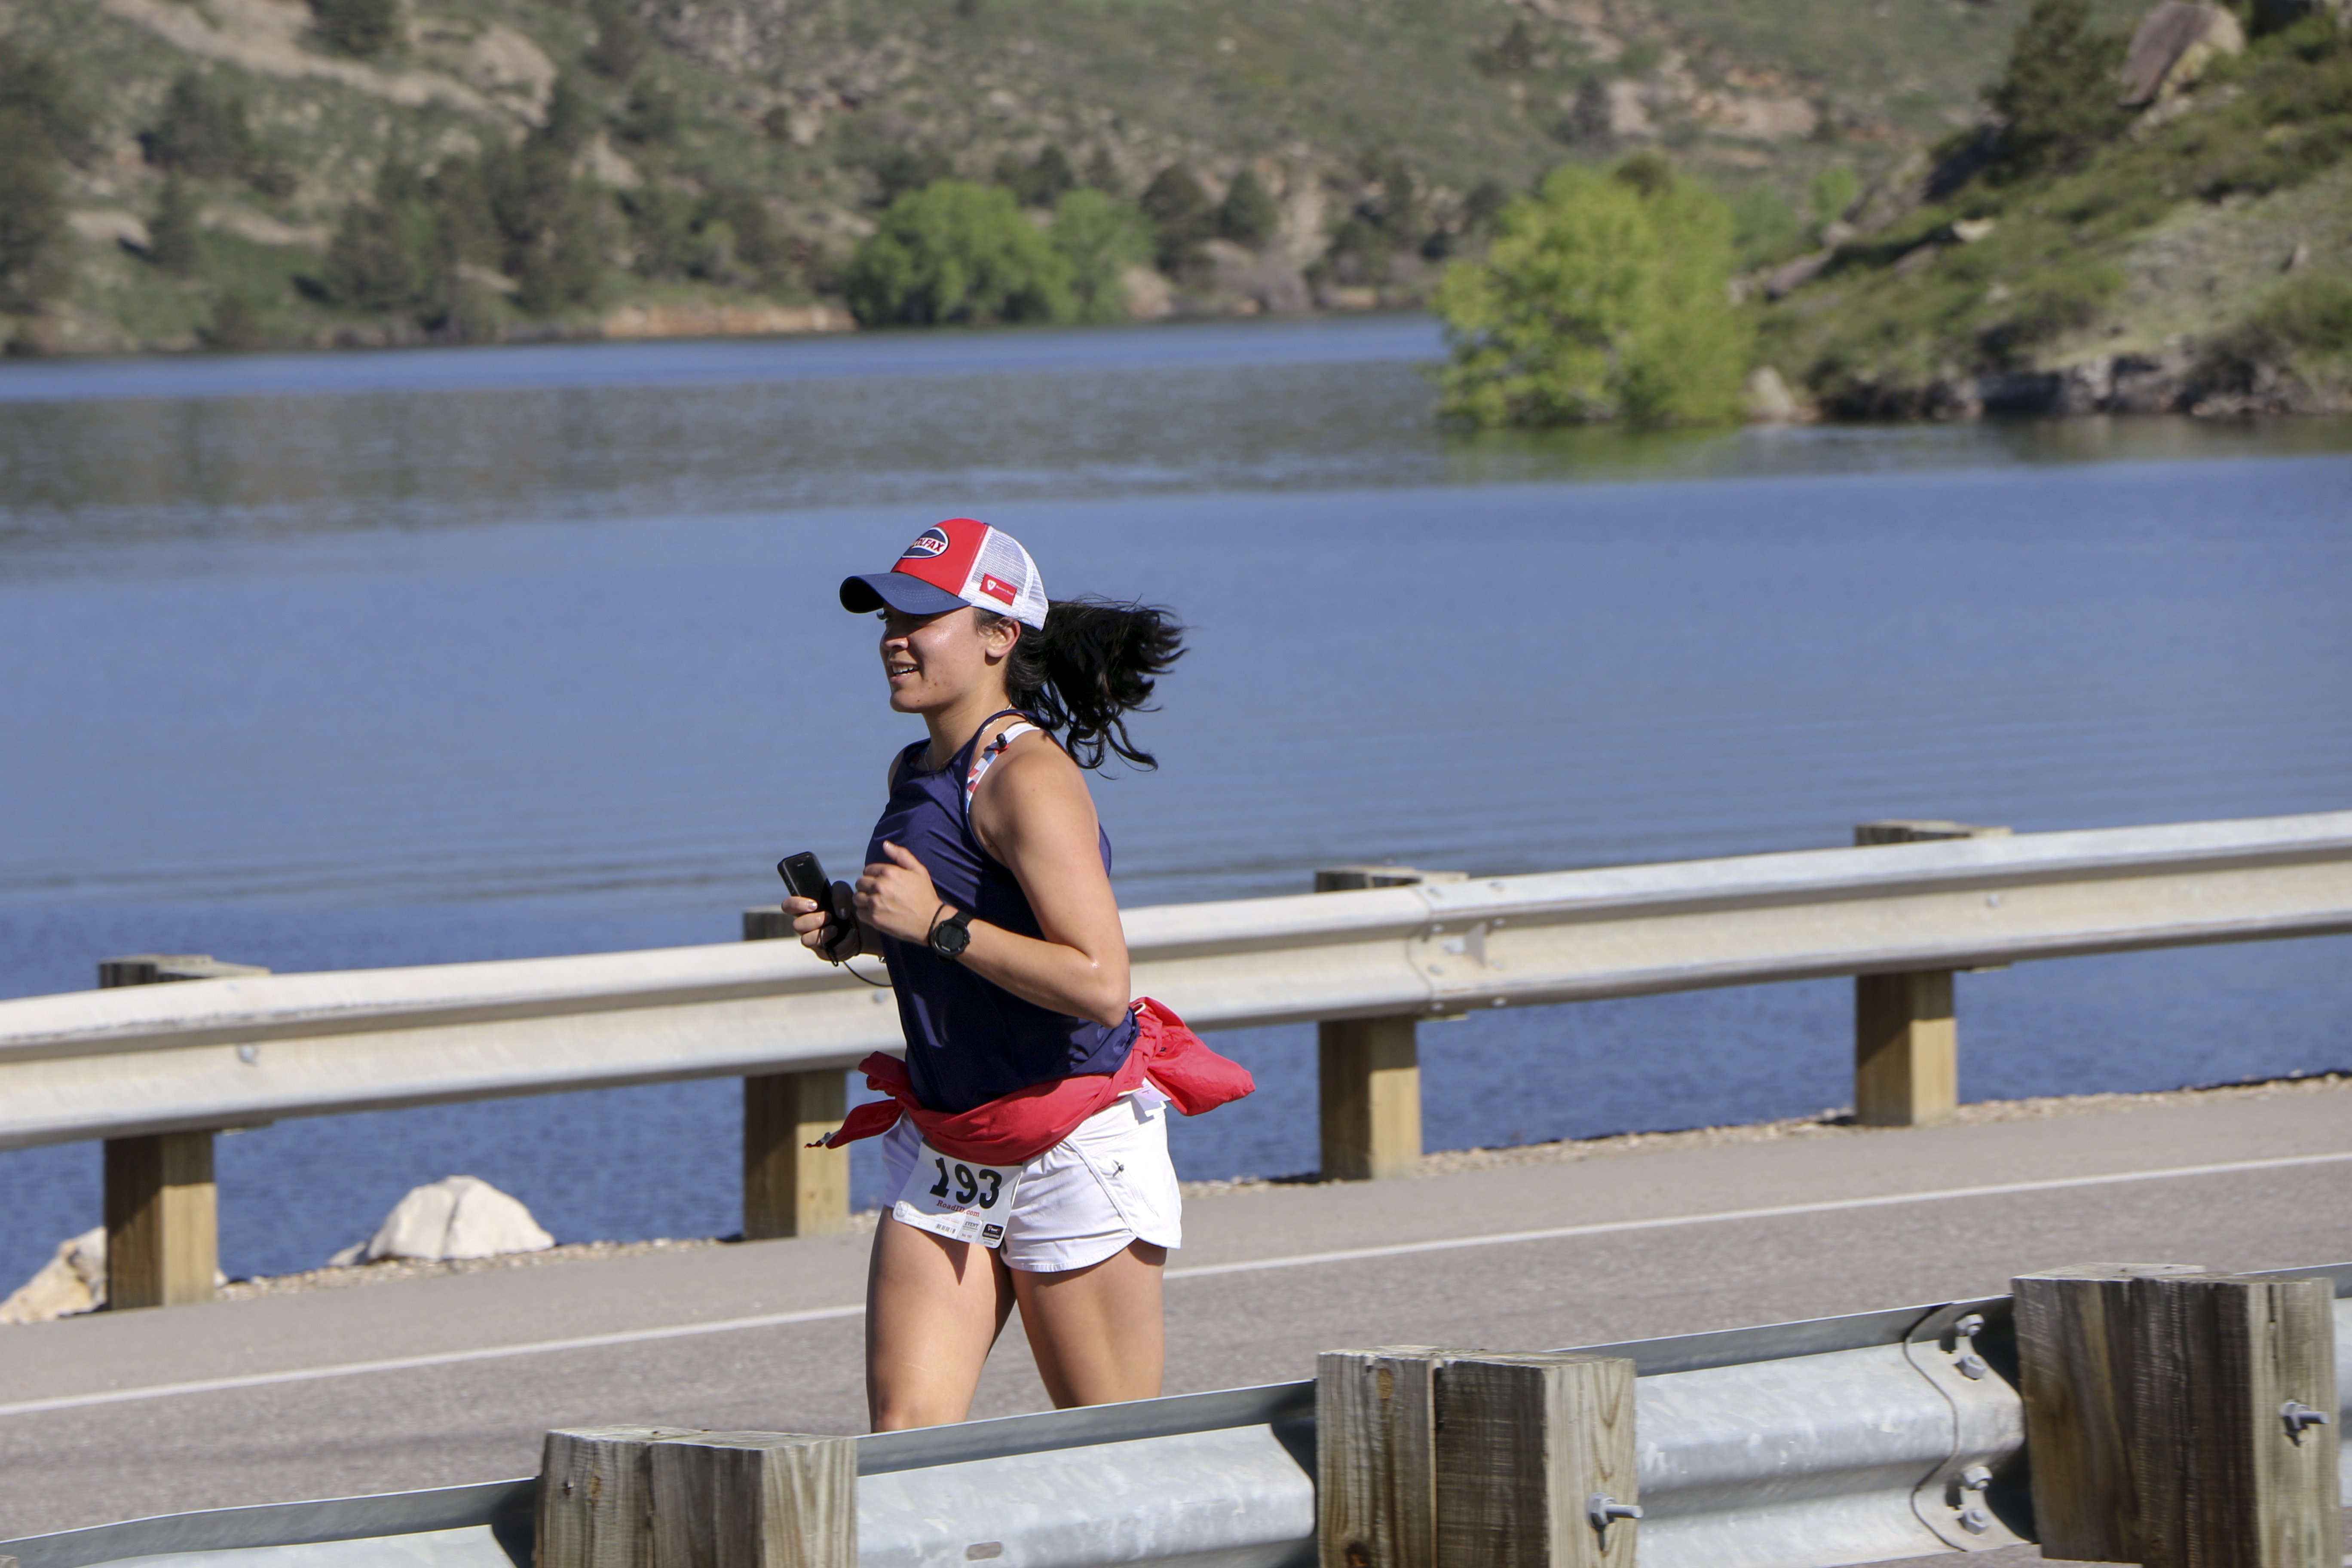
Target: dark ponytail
1095, 663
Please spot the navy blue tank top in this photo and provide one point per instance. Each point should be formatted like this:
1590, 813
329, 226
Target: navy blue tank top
968, 1040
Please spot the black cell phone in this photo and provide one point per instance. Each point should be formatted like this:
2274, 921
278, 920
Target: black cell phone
804, 877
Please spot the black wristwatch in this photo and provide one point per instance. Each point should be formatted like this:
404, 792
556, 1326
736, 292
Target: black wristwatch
950, 936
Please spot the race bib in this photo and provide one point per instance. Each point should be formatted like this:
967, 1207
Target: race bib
956, 1198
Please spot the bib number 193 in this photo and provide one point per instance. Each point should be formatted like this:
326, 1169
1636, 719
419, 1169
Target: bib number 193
957, 1198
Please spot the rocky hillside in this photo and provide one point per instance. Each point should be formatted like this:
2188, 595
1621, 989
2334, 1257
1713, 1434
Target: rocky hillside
2153, 223
237, 172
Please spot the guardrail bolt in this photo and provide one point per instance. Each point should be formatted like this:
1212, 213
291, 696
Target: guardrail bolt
1974, 1517
1603, 1510
1973, 1366
2297, 1416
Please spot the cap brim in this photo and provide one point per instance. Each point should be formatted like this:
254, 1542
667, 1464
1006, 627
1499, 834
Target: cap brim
906, 594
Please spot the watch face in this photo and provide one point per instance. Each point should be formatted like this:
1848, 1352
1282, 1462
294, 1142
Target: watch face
951, 937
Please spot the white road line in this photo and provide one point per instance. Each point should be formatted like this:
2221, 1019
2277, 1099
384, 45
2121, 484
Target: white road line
1304, 1260
443, 1358
1781, 1211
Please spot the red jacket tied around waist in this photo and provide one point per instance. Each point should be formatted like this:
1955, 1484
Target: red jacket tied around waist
1014, 1129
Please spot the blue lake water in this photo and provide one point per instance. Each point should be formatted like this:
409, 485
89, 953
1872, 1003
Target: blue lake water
339, 661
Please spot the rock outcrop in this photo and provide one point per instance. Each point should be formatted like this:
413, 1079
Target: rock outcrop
2171, 48
457, 1217
73, 1282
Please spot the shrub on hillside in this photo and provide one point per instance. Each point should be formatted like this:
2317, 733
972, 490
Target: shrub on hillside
651, 118
957, 251
51, 102
1040, 183
2057, 99
364, 28
1247, 216
1603, 296
1100, 237
620, 44
31, 211
1182, 219
203, 131
2305, 327
172, 235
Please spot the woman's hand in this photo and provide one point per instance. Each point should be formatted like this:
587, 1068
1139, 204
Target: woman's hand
895, 896
810, 920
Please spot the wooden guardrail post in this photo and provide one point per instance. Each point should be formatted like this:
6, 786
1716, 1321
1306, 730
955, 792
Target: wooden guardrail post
669, 1497
789, 1188
2181, 1419
162, 1211
1368, 1070
1906, 1048
1473, 1459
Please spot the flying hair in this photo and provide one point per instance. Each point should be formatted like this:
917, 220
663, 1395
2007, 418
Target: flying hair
1094, 662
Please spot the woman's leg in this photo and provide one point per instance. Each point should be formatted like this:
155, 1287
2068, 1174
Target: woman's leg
1095, 1332
933, 1307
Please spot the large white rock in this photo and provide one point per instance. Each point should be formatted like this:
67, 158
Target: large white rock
73, 1282
456, 1216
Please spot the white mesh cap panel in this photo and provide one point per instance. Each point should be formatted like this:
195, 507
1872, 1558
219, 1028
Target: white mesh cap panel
1005, 579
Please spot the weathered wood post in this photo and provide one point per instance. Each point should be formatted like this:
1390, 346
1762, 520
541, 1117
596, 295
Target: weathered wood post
163, 1211
2181, 1419
1473, 1459
1368, 1070
789, 1188
670, 1497
1906, 1040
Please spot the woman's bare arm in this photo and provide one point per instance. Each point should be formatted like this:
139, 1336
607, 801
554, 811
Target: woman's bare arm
1033, 814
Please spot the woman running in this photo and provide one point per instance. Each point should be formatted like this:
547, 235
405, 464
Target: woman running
1025, 1145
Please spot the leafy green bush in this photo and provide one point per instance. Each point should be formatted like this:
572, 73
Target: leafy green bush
1182, 219
2057, 99
958, 252
364, 28
1603, 296
1100, 237
1247, 216
203, 131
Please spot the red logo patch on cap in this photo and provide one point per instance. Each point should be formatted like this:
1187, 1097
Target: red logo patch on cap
929, 545
998, 588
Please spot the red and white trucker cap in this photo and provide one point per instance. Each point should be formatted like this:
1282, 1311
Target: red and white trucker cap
960, 561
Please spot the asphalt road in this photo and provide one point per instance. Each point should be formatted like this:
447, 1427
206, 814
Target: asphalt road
439, 1381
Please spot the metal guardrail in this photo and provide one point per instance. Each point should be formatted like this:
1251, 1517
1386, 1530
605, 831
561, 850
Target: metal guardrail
235, 1052
1808, 1445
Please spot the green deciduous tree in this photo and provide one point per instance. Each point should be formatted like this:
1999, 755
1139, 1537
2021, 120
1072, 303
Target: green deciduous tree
957, 251
1182, 218
1100, 237
1603, 296
364, 28
2057, 99
1247, 216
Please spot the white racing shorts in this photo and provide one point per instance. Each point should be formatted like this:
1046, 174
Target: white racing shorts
1106, 1185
